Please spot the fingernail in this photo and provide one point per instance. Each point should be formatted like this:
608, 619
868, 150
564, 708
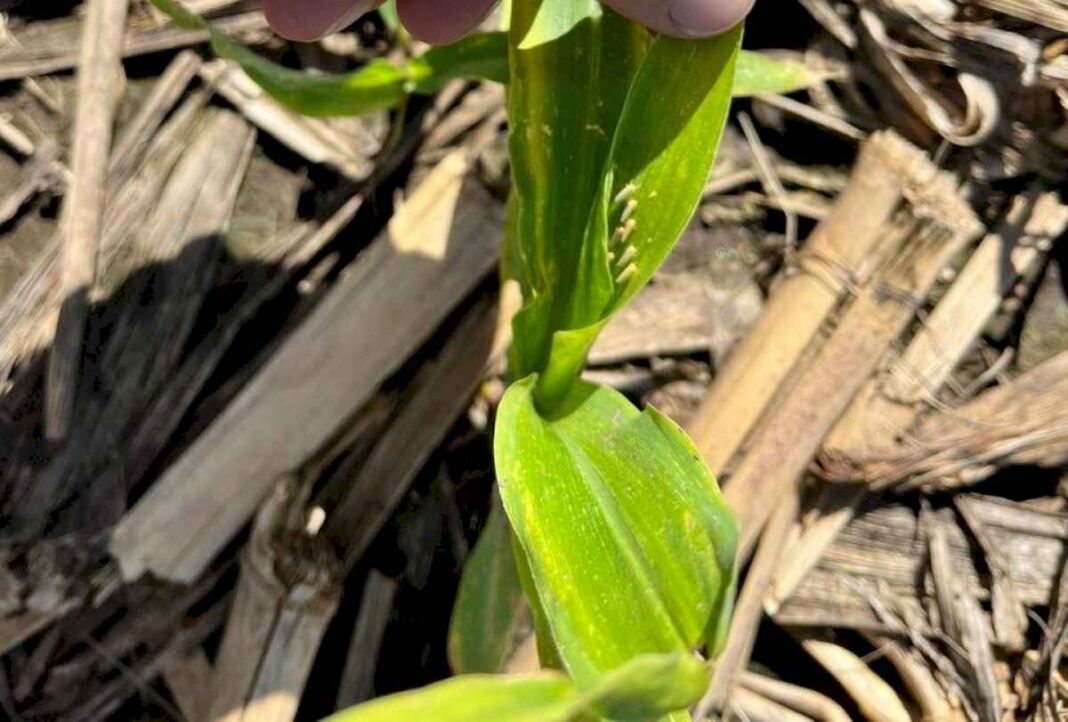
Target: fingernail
704, 18
361, 7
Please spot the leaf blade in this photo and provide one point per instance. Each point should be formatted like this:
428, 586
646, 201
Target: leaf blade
546, 697
489, 607
614, 580
562, 123
758, 73
646, 687
665, 145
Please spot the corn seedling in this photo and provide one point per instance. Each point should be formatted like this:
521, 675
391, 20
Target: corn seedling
622, 544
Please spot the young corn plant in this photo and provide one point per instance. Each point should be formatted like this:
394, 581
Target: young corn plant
622, 543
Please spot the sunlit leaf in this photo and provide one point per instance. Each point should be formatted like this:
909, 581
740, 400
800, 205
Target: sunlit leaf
479, 56
388, 12
757, 73
379, 85
547, 697
645, 688
662, 150
490, 610
562, 124
649, 687
629, 545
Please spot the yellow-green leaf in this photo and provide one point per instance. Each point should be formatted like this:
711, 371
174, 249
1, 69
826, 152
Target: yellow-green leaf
379, 85
758, 73
490, 610
662, 150
645, 688
562, 124
480, 56
629, 544
547, 697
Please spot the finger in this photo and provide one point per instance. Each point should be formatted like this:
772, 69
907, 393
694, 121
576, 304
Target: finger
442, 21
305, 20
685, 18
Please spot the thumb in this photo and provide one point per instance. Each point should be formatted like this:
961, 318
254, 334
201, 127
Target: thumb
684, 18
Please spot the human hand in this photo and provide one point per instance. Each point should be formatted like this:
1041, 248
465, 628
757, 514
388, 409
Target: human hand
443, 21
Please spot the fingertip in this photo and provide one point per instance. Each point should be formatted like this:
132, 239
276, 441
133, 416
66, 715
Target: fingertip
308, 20
705, 18
440, 23
685, 18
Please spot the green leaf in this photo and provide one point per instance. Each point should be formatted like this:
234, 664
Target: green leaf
758, 73
376, 86
388, 12
562, 124
608, 166
480, 56
649, 687
645, 688
490, 610
547, 697
663, 151
379, 85
629, 545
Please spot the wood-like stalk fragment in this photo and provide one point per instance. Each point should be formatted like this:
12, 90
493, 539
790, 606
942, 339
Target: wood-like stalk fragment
286, 596
800, 699
894, 398
1008, 613
749, 705
51, 50
358, 677
437, 249
42, 171
933, 227
918, 679
1023, 422
963, 621
877, 700
100, 81
835, 258
315, 139
144, 156
441, 391
188, 678
179, 241
890, 404
876, 567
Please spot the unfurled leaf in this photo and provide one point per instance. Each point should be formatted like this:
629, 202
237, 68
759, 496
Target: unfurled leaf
758, 73
376, 86
490, 610
480, 56
649, 687
379, 85
645, 688
388, 12
629, 545
662, 149
562, 124
548, 697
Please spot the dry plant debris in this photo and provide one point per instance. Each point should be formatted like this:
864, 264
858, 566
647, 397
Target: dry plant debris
864, 330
